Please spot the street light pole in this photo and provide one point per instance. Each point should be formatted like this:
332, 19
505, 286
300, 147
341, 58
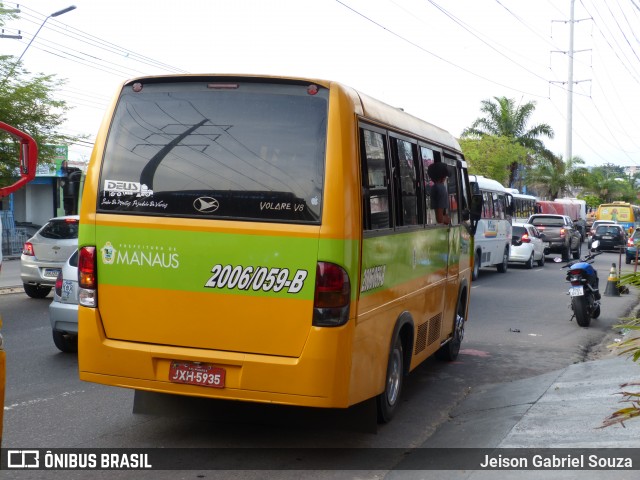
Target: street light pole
54, 14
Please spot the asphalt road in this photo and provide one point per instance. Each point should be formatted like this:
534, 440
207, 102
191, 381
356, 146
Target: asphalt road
518, 327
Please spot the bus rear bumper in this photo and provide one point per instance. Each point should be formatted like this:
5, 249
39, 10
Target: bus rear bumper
318, 378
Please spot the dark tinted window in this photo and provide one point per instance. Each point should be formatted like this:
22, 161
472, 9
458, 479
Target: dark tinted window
608, 230
519, 231
548, 221
407, 185
60, 229
73, 260
203, 149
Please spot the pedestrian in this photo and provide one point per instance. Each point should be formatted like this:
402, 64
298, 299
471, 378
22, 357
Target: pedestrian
438, 172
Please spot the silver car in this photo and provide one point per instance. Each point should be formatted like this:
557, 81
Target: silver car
44, 254
63, 311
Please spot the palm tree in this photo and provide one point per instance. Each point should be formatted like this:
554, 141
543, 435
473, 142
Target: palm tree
552, 177
503, 118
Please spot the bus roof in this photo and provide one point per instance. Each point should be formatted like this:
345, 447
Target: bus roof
487, 183
363, 105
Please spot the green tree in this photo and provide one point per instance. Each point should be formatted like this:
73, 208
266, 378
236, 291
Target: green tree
504, 118
6, 14
492, 156
552, 177
609, 184
29, 103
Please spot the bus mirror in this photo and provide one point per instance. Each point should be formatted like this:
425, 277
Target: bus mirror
511, 205
475, 211
24, 159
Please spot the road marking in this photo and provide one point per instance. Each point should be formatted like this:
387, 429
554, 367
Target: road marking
35, 401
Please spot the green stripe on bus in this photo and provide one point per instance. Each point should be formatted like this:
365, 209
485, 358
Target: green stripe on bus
212, 261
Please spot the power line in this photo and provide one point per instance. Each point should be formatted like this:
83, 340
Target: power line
434, 54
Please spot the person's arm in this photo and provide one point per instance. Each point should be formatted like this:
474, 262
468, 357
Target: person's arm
443, 199
442, 217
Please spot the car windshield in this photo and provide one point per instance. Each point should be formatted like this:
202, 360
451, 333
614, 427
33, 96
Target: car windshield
61, 229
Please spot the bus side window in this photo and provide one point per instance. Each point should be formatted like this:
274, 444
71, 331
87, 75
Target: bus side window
375, 181
428, 156
498, 205
406, 195
452, 188
487, 205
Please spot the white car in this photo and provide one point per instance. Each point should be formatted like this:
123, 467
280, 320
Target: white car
527, 245
63, 310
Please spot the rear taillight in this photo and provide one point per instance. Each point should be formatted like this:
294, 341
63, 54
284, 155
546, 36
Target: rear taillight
58, 287
563, 232
630, 242
27, 249
525, 238
87, 278
332, 296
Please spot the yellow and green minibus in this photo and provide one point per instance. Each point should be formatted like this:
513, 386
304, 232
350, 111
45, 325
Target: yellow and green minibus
269, 239
623, 213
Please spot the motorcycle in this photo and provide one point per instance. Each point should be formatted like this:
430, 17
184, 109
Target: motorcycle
584, 290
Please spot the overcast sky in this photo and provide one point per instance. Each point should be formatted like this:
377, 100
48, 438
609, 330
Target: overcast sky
437, 59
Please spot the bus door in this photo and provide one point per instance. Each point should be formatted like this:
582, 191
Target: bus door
454, 241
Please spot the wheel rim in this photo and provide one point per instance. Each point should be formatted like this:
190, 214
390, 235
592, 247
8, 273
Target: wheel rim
393, 382
476, 266
459, 334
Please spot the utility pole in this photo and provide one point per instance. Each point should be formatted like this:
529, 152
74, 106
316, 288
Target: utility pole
570, 81
568, 153
9, 35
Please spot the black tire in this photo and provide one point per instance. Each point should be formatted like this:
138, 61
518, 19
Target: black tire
542, 260
388, 401
565, 253
65, 343
529, 264
36, 291
627, 260
580, 310
596, 312
450, 350
577, 252
475, 273
502, 267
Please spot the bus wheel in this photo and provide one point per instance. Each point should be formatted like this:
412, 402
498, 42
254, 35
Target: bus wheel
450, 350
502, 267
387, 401
475, 273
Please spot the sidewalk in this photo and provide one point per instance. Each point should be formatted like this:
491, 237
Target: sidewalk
10, 274
563, 409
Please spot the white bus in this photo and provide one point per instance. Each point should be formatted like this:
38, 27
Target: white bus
523, 205
492, 240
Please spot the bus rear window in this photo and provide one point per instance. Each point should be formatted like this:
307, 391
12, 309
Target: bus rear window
255, 151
